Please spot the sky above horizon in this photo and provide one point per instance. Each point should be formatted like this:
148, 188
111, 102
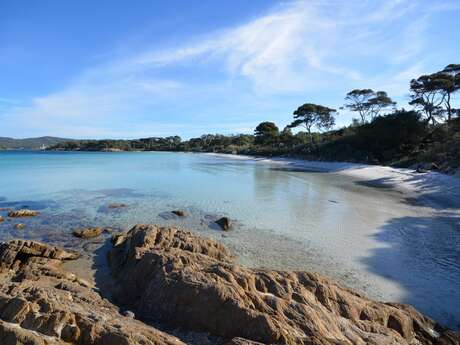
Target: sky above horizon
119, 69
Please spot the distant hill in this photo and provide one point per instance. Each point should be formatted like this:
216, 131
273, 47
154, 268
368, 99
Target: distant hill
30, 143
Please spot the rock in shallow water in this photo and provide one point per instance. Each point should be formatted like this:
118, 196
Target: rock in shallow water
179, 213
88, 232
175, 277
22, 213
116, 205
225, 223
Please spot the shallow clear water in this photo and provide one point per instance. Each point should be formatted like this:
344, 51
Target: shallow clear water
368, 238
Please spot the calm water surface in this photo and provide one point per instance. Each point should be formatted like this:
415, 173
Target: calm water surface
367, 238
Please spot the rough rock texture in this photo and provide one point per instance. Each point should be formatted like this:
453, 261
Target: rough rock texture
88, 232
41, 304
1, 219
225, 223
178, 278
22, 213
179, 213
18, 251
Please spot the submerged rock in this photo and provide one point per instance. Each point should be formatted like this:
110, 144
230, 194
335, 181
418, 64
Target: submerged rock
180, 213
115, 205
88, 232
41, 304
19, 226
1, 219
180, 279
22, 213
225, 223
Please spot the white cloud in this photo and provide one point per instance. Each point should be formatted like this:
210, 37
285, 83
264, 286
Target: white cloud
295, 49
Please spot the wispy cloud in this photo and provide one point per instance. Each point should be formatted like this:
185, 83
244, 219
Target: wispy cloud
295, 49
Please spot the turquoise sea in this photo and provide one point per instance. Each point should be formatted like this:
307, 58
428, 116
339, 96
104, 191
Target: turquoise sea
368, 238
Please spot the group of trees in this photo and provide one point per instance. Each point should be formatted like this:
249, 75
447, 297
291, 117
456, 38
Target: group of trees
430, 95
367, 103
433, 94
380, 134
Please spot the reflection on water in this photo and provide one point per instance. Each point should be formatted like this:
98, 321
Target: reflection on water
368, 238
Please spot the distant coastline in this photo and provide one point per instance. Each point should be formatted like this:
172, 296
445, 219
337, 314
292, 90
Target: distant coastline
400, 140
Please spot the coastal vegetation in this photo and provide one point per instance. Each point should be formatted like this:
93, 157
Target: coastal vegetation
427, 134
29, 143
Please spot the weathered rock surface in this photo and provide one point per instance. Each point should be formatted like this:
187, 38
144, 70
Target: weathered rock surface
19, 251
179, 213
41, 304
175, 277
88, 232
22, 213
225, 223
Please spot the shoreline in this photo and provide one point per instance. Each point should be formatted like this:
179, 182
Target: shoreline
373, 241
432, 188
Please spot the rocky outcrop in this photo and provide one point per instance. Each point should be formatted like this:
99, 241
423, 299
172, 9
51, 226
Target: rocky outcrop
22, 213
175, 277
18, 252
225, 223
179, 213
41, 304
88, 232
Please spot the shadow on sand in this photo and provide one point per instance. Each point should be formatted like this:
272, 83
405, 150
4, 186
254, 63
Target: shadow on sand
435, 194
422, 255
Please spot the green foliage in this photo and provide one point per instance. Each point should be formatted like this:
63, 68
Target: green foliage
391, 135
312, 115
367, 103
266, 133
29, 143
432, 94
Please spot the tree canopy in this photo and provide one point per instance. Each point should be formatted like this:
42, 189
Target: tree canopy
266, 132
367, 103
312, 115
432, 94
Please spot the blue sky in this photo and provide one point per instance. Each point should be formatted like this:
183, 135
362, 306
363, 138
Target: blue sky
119, 69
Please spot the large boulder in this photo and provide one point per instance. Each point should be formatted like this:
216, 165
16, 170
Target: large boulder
180, 279
41, 304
